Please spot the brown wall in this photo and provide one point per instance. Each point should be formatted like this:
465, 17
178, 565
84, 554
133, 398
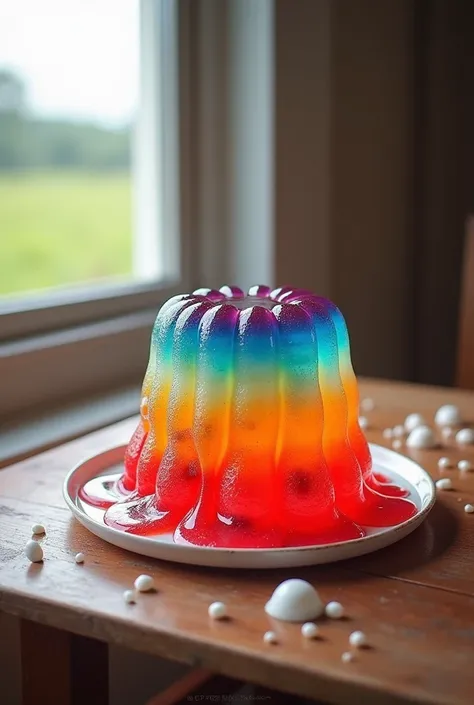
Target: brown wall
371, 137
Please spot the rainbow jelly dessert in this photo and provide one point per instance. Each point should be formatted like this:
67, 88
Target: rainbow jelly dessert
249, 433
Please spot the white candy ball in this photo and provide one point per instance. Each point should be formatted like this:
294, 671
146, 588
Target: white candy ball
334, 610
387, 433
347, 657
412, 421
129, 597
465, 436
270, 638
217, 610
363, 422
397, 444
144, 583
447, 432
33, 551
464, 466
448, 415
398, 431
357, 639
310, 630
469, 508
421, 437
79, 558
38, 529
444, 484
444, 463
367, 404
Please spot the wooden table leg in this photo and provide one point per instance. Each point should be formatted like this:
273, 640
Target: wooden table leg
60, 667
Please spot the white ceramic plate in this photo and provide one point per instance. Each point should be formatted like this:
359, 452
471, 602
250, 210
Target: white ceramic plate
397, 467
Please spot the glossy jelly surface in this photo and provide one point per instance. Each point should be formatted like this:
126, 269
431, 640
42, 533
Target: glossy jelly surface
249, 433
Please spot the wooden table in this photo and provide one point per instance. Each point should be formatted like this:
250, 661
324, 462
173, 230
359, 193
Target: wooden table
415, 600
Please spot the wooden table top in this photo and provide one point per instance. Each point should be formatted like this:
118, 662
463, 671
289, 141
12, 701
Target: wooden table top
414, 600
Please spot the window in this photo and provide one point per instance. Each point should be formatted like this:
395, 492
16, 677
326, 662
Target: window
68, 102
197, 208
91, 238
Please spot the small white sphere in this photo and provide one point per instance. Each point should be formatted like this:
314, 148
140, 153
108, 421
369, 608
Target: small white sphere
33, 551
79, 558
469, 508
448, 415
444, 484
129, 597
397, 444
144, 583
387, 433
367, 404
363, 422
444, 463
447, 432
347, 657
310, 630
334, 610
38, 529
464, 466
270, 638
465, 436
412, 421
421, 437
217, 610
357, 639
398, 431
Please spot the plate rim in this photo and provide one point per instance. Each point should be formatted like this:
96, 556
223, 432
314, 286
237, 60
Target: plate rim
180, 550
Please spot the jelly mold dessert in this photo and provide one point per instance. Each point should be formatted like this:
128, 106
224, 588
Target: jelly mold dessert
249, 433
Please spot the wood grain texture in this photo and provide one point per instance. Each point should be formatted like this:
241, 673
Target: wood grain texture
413, 600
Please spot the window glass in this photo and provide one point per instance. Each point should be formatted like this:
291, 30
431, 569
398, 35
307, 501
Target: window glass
68, 101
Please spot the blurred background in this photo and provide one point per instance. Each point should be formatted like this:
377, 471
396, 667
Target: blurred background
148, 147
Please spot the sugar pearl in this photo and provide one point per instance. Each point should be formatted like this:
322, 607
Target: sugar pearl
412, 421
129, 597
387, 433
347, 657
444, 484
421, 437
144, 583
464, 465
33, 551
310, 630
367, 404
444, 463
334, 610
357, 639
398, 431
448, 415
447, 432
270, 638
38, 529
469, 508
465, 436
397, 444
363, 422
217, 610
79, 558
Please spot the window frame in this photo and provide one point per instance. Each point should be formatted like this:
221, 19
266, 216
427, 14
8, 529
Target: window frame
55, 334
